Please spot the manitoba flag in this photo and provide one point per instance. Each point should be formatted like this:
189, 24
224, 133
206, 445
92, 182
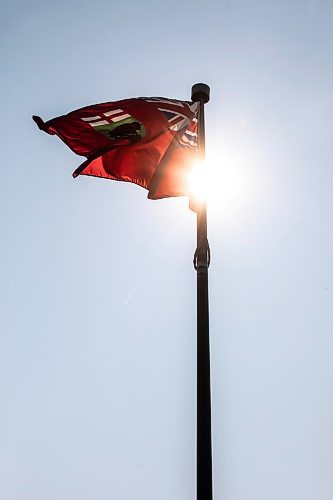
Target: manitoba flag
150, 141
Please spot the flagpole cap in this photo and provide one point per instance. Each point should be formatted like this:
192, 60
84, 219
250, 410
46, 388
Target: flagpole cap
200, 93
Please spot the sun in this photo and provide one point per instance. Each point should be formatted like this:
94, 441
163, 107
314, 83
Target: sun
221, 180
198, 181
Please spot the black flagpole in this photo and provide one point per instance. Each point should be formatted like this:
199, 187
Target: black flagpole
201, 94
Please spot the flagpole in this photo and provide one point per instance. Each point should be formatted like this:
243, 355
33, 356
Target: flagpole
201, 94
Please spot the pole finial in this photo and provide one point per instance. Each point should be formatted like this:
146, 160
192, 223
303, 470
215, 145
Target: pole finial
200, 92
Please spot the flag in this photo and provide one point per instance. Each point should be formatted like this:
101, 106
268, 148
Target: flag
150, 141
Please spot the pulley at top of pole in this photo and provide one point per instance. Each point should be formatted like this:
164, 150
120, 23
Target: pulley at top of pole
200, 93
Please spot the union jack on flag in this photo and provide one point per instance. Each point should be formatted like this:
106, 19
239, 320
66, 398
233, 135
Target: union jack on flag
180, 115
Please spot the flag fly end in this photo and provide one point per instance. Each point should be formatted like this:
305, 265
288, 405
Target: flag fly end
39, 122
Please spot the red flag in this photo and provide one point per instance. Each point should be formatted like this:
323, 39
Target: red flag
150, 141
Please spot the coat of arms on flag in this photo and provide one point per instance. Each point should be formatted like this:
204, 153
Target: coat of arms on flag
117, 124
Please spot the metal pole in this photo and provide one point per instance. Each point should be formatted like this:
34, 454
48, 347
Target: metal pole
200, 93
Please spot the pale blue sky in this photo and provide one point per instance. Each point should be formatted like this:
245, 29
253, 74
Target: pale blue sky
97, 289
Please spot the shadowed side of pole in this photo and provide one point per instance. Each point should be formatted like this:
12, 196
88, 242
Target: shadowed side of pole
201, 94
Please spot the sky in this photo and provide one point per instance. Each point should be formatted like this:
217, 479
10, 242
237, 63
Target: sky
97, 288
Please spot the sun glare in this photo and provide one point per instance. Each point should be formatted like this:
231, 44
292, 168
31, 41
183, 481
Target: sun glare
221, 180
198, 181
